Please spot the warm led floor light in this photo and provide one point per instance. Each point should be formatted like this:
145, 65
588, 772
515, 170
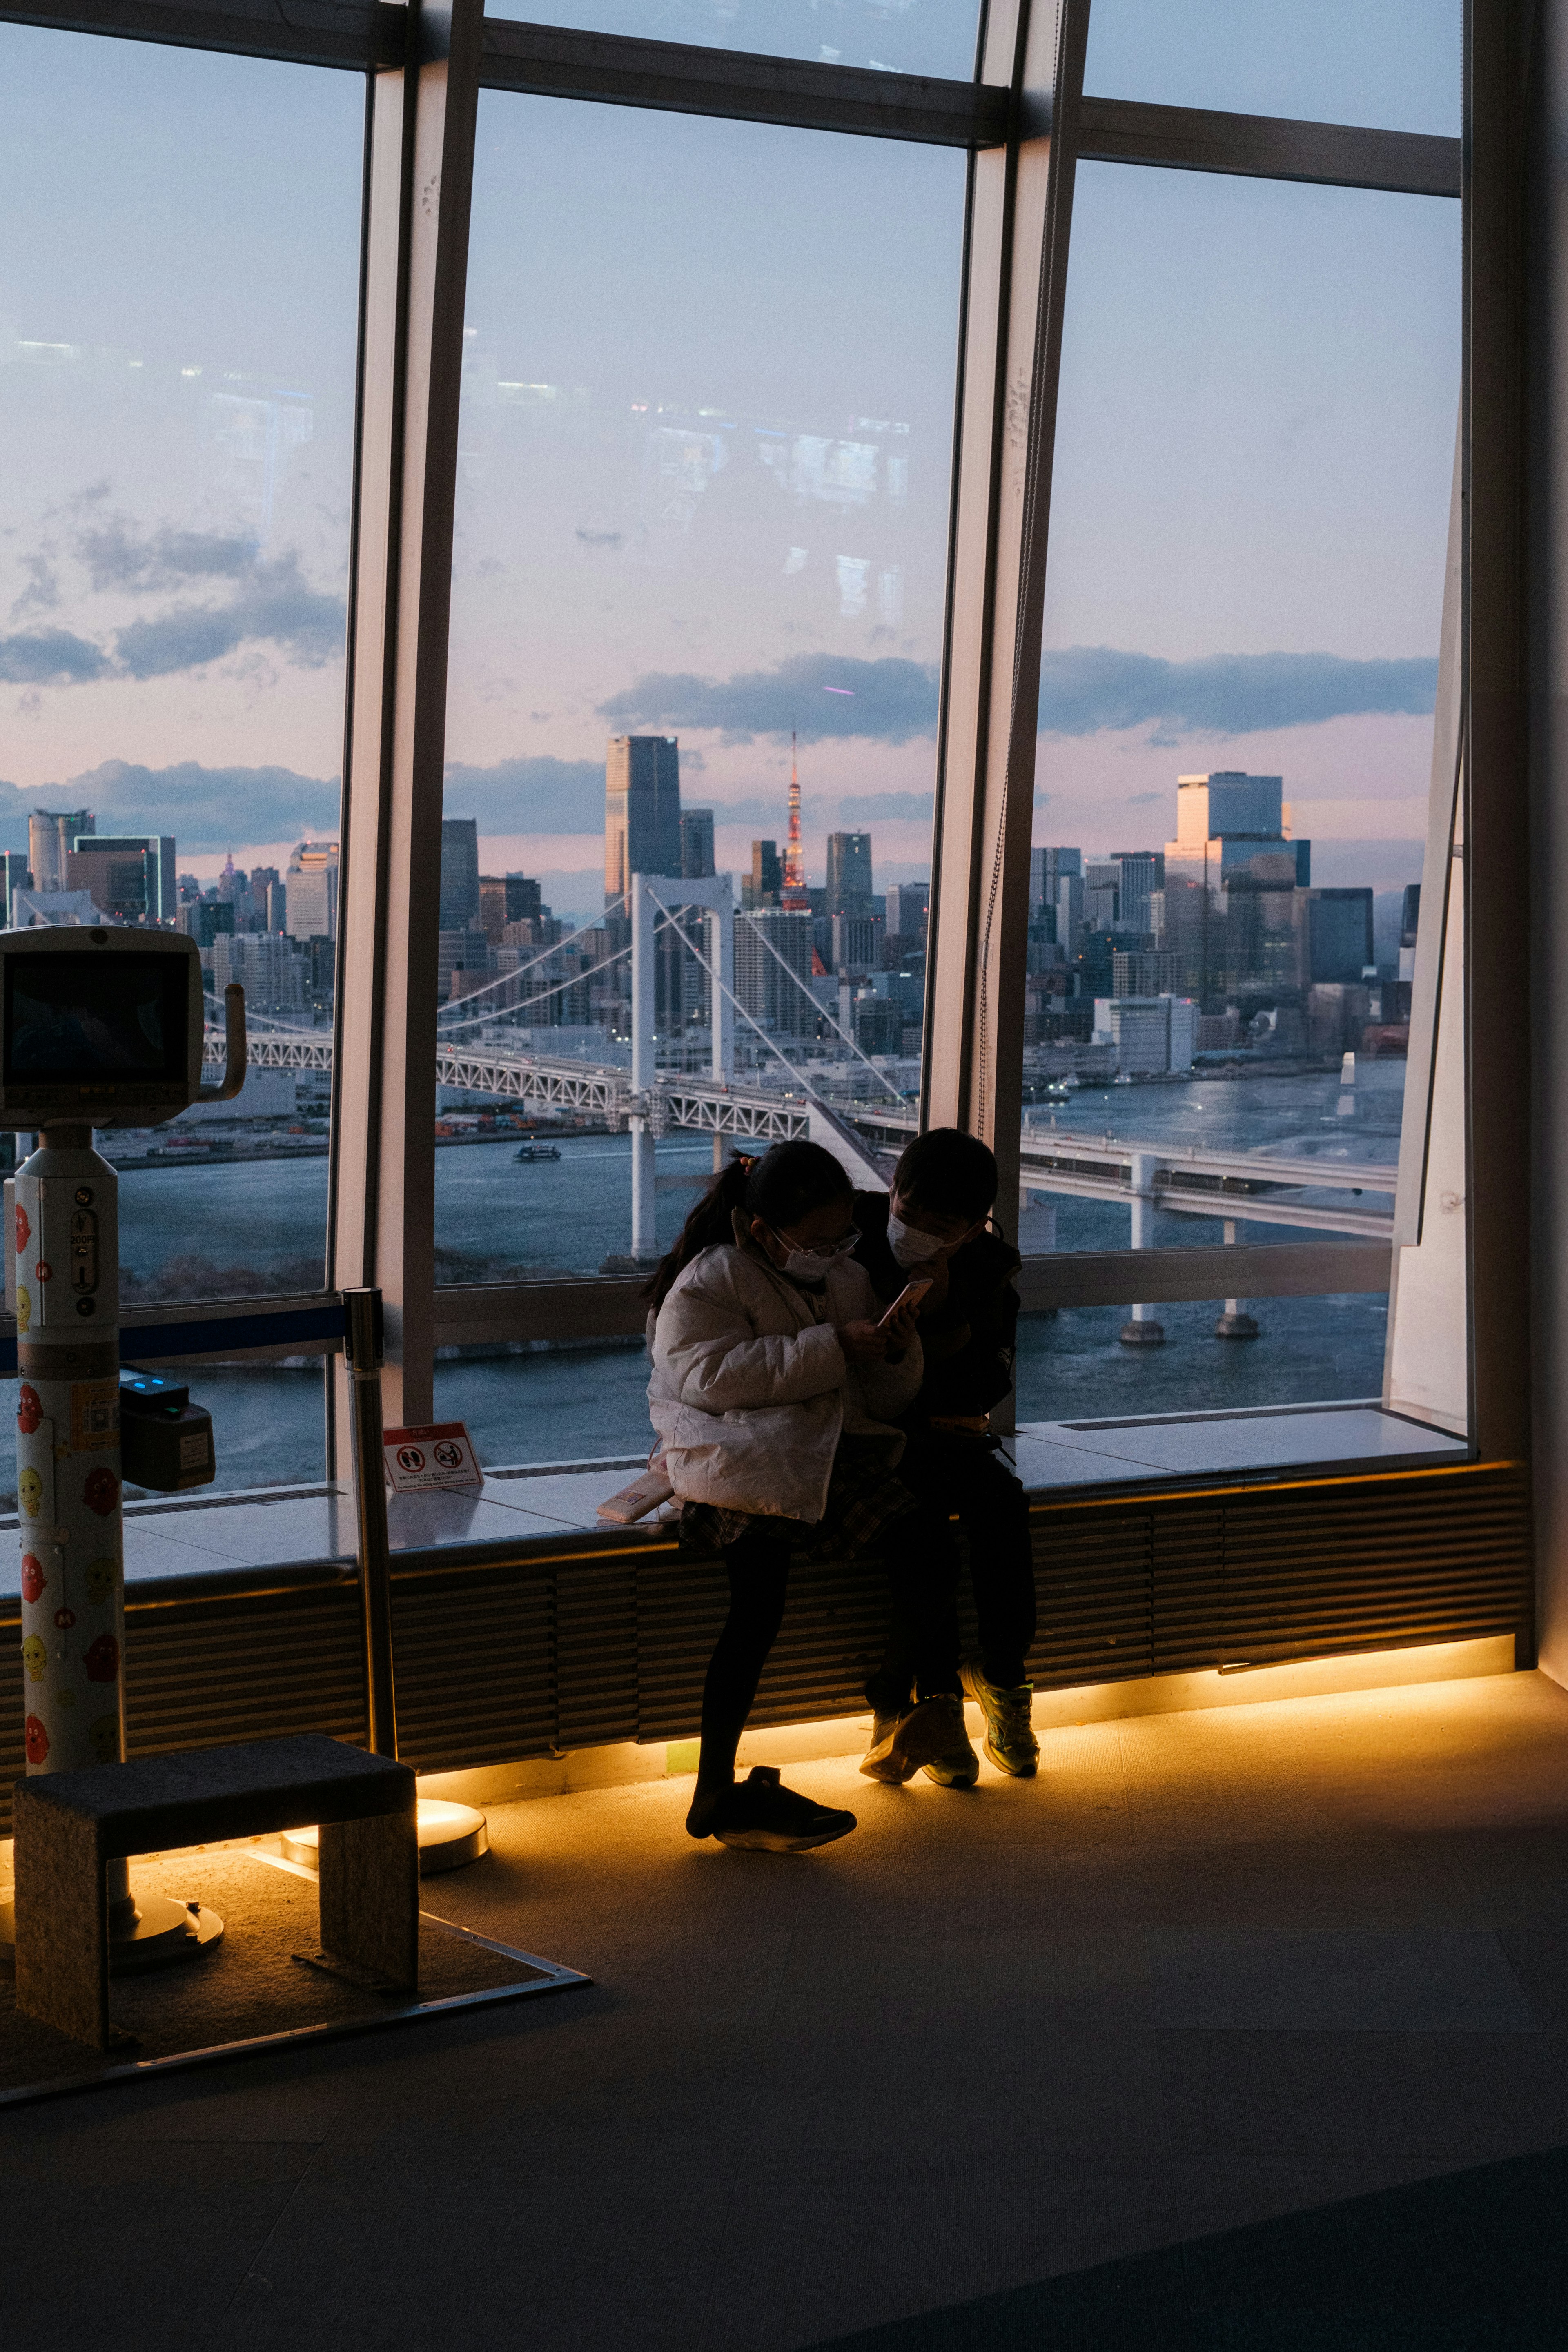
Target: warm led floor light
449, 1835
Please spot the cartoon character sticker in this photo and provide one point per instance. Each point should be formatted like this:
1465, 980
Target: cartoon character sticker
33, 1577
65, 1619
30, 1491
103, 1735
34, 1657
29, 1408
102, 1659
101, 1492
23, 1230
44, 1270
36, 1741
101, 1576
23, 1308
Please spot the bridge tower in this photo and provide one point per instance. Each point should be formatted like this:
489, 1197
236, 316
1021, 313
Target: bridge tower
653, 895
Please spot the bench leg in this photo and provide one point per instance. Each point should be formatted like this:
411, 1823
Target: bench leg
62, 1923
370, 1896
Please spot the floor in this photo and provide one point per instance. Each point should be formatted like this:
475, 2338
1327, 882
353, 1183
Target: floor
1234, 2028
203, 1534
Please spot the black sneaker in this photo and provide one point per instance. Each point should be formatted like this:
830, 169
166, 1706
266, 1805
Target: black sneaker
759, 1812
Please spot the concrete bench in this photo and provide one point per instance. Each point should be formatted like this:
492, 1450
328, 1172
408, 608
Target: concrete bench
71, 1824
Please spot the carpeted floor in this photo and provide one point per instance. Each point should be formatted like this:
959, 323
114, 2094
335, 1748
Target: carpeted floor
248, 1983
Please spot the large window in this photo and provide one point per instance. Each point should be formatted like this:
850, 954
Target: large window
1251, 512
176, 407
702, 530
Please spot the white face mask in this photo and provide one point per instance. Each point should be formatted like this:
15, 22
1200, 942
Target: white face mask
908, 1246
805, 1266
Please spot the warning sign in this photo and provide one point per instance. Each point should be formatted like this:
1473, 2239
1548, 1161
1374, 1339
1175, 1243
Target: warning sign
418, 1460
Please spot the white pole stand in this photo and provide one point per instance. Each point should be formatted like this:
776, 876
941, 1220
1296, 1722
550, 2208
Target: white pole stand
1145, 1329
64, 1238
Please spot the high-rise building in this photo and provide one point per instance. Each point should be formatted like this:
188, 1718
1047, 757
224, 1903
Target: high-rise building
1223, 819
642, 809
130, 874
277, 906
1337, 942
312, 888
1048, 866
857, 943
764, 886
908, 908
51, 837
524, 899
14, 876
696, 843
776, 995
848, 873
1140, 874
460, 873
271, 970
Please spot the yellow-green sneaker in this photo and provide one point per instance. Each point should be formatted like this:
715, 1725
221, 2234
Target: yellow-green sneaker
957, 1767
1010, 1740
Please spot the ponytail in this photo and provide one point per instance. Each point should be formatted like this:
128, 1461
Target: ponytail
786, 1182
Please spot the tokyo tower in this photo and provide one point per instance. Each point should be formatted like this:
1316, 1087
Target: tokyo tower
796, 893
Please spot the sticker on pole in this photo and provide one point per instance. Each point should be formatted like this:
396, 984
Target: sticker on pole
421, 1461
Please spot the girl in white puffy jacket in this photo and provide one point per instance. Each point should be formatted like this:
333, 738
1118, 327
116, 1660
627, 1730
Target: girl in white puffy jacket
774, 1391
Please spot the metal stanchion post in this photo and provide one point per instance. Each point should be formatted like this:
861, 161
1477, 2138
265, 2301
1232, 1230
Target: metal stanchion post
450, 1834
363, 1345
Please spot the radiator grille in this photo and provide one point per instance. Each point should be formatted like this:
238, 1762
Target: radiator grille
540, 1654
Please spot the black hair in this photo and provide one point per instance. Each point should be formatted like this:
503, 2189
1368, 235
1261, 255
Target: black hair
783, 1185
949, 1172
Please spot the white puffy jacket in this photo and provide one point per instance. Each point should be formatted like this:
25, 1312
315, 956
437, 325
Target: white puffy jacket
751, 1390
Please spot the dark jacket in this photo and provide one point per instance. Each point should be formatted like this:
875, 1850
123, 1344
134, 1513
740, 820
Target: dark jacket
969, 1340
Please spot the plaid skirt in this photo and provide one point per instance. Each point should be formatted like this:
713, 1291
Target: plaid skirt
864, 1497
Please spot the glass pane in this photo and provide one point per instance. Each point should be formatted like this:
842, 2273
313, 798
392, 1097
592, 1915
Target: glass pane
917, 36
702, 514
176, 407
1395, 64
1249, 529
176, 403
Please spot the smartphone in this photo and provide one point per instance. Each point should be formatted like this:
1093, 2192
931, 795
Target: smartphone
913, 1292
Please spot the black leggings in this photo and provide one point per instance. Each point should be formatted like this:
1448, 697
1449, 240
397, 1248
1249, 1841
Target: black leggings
922, 1651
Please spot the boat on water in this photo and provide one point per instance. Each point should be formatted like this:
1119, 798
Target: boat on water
537, 1151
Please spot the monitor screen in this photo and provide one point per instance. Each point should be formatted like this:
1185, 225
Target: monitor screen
116, 1021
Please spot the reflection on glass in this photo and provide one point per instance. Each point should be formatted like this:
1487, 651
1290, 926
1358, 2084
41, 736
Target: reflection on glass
1393, 65
697, 612
177, 333
1250, 516
917, 36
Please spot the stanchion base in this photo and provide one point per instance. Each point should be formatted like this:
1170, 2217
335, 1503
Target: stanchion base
449, 1836
1143, 1334
164, 1931
1237, 1327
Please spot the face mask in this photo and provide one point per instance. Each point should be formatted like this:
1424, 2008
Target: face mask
909, 1247
805, 1266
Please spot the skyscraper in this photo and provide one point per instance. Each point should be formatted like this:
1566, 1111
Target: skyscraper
459, 872
696, 843
51, 837
312, 891
642, 809
764, 885
849, 874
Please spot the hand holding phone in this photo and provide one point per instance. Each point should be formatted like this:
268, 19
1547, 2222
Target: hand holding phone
908, 1300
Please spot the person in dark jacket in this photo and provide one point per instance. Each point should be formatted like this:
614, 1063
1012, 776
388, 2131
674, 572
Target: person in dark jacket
934, 1225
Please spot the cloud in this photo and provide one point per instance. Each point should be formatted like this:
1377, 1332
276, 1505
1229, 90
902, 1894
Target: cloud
274, 603
50, 657
119, 556
1086, 688
820, 694
203, 808
532, 796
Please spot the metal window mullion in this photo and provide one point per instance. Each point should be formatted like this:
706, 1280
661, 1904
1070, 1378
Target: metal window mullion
420, 180
1015, 283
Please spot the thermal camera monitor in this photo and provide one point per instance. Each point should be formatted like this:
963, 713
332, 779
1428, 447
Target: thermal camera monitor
94, 1031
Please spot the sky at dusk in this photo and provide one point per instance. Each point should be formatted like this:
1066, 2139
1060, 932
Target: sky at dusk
707, 424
